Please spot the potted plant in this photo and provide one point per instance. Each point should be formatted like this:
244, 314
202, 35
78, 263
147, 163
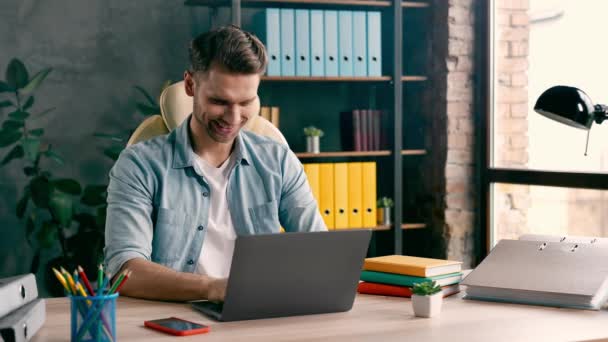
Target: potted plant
427, 298
313, 136
384, 206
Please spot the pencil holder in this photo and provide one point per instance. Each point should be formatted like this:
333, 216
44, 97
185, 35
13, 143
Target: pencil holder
93, 318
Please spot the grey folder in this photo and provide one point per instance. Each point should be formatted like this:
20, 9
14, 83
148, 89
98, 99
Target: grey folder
543, 273
23, 323
17, 291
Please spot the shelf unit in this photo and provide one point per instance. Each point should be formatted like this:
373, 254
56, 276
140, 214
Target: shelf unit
392, 12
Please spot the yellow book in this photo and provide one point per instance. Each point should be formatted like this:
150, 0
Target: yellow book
413, 266
265, 113
341, 195
312, 173
326, 194
355, 197
368, 174
274, 116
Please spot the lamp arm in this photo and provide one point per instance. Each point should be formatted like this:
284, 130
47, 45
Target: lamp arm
600, 113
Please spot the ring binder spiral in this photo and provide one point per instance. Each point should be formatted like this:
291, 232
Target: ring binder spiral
550, 272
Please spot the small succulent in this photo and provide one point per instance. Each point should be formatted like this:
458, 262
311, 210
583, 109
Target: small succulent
385, 202
426, 288
312, 131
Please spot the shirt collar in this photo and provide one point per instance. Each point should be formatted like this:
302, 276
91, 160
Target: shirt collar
183, 153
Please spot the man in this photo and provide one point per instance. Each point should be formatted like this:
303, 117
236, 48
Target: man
177, 202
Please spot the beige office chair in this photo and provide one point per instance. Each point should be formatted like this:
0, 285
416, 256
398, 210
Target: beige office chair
176, 105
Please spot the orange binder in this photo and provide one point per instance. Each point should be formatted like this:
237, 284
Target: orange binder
413, 266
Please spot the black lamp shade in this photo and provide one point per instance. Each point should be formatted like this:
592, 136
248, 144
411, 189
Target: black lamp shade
568, 105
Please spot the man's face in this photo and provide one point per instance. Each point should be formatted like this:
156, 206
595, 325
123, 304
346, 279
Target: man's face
223, 101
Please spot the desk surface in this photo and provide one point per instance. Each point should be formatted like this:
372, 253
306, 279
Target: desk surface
373, 318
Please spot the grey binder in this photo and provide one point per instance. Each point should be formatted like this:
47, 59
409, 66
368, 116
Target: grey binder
17, 291
23, 323
542, 273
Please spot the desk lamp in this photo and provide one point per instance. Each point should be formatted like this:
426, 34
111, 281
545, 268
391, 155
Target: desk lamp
570, 106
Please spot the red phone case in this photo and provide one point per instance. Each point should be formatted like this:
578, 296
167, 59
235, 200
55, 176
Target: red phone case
167, 330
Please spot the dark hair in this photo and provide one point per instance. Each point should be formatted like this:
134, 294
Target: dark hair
237, 50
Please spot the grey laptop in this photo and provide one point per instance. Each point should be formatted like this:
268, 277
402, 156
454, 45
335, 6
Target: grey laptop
290, 274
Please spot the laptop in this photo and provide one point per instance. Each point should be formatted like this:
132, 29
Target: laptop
278, 275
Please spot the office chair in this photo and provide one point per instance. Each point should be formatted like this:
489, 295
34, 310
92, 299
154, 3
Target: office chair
176, 105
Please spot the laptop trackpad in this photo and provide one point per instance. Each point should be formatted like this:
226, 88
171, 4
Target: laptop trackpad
209, 308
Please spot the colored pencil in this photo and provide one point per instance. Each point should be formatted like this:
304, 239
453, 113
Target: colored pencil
117, 282
122, 282
85, 280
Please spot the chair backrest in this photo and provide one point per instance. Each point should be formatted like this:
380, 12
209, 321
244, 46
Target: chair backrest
176, 105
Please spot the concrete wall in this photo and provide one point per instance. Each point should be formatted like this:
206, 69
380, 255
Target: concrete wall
99, 50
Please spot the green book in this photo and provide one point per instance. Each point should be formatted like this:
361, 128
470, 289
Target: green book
405, 280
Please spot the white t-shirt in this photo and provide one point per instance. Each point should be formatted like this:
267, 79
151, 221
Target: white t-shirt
218, 245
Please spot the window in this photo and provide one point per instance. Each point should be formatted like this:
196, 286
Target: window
538, 178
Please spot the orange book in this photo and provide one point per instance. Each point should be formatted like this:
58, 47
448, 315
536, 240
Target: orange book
399, 291
413, 266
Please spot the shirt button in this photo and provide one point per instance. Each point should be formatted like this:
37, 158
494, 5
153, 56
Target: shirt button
190, 262
205, 194
201, 227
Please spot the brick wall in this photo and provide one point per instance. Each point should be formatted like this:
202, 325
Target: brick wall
511, 202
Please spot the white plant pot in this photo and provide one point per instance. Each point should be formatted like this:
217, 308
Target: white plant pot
427, 306
313, 144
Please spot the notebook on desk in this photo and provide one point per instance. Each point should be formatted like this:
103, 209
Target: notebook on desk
544, 273
278, 275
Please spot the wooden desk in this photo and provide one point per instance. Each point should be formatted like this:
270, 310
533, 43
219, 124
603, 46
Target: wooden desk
373, 318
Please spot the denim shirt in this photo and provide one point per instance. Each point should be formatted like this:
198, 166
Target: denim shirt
158, 199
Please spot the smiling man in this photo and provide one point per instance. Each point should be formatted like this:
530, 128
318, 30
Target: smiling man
177, 202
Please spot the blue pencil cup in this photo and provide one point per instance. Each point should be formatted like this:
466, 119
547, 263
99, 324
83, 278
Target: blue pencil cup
93, 318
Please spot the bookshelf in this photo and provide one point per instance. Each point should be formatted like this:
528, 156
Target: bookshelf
298, 96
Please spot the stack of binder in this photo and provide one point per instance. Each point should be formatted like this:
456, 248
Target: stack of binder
22, 313
395, 275
542, 270
361, 130
304, 42
345, 192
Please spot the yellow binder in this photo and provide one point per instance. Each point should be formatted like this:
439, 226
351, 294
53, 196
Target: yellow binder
326, 192
341, 195
368, 171
355, 196
312, 173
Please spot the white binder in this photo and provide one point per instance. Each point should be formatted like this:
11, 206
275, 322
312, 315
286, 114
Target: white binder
17, 291
543, 273
23, 323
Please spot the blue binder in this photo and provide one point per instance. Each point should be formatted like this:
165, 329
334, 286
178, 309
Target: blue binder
317, 43
374, 44
268, 31
302, 43
331, 43
288, 35
359, 43
345, 45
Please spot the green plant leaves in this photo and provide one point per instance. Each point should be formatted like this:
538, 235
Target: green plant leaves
67, 186
94, 195
35, 263
61, 206
113, 152
9, 137
6, 103
28, 103
4, 87
16, 74
31, 147
15, 153
13, 125
41, 190
38, 132
47, 234
22, 206
36, 81
19, 115
55, 156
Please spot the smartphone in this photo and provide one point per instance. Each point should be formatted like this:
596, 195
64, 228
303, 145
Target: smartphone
177, 326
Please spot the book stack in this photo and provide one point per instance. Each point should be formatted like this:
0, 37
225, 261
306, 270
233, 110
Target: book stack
361, 130
395, 275
22, 313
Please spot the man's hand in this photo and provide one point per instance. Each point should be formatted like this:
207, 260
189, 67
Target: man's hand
217, 290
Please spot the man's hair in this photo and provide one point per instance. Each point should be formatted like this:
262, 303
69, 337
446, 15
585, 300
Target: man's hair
229, 46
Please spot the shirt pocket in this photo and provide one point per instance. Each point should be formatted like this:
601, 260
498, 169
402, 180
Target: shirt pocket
265, 218
168, 243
